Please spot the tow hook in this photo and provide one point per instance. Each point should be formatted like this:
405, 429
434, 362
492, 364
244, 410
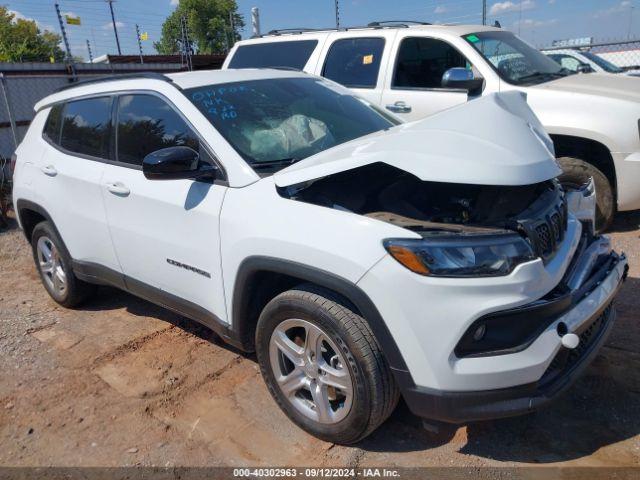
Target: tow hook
569, 340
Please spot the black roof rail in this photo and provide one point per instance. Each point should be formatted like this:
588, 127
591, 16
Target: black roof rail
111, 78
405, 23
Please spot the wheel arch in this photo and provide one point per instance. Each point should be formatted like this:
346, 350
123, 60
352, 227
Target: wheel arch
589, 150
30, 214
259, 279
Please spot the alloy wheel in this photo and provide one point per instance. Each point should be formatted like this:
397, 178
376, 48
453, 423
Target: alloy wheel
50, 265
311, 371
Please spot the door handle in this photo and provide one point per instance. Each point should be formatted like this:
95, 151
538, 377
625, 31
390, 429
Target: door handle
118, 188
49, 170
399, 107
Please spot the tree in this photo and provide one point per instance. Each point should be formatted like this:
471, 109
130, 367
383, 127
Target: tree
208, 23
22, 41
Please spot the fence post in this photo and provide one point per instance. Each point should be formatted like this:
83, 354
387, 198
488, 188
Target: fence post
12, 121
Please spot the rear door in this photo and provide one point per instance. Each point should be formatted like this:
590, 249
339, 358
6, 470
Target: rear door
413, 85
357, 60
165, 232
78, 134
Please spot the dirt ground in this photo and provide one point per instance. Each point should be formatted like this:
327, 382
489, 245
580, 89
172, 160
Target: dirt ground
121, 382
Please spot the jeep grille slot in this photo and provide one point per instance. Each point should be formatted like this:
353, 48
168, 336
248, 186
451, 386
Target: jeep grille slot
546, 228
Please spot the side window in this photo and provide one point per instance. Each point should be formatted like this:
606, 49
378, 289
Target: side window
147, 123
354, 62
52, 125
421, 63
86, 127
274, 54
567, 61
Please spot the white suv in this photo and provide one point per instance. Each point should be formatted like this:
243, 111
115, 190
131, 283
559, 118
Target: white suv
361, 258
417, 70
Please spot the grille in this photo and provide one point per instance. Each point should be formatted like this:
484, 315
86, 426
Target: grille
546, 229
546, 239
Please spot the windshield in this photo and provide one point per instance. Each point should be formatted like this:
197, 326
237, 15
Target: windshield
275, 122
515, 61
602, 63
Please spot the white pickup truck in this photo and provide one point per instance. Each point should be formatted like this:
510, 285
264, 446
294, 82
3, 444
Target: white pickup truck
415, 70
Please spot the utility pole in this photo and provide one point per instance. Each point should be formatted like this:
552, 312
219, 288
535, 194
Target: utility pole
255, 21
484, 12
337, 15
186, 44
113, 22
233, 30
89, 50
139, 43
66, 43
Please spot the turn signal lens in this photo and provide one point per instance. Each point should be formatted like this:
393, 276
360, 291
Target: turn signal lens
408, 258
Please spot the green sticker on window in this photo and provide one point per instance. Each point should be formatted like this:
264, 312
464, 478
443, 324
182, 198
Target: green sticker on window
473, 38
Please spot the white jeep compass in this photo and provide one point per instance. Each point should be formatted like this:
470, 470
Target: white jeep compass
359, 257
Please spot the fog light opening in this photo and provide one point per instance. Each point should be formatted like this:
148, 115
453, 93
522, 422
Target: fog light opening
479, 332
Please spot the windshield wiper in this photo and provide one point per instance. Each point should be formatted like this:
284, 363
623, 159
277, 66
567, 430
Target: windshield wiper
275, 163
549, 75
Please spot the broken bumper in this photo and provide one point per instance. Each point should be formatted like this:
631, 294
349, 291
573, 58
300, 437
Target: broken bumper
590, 317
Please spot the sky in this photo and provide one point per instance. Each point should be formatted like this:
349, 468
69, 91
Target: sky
537, 21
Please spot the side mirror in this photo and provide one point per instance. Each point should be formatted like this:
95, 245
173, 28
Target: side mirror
174, 163
462, 79
584, 68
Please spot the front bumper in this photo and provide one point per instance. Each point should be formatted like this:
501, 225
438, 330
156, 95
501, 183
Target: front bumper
564, 369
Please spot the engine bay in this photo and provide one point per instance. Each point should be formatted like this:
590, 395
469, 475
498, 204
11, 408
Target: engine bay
390, 194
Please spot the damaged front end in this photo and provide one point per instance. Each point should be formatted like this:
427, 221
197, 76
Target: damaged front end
466, 230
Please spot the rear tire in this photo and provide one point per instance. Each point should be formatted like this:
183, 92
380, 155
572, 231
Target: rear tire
348, 346
576, 173
55, 268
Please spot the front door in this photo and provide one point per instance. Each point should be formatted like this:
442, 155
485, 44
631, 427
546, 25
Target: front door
413, 88
165, 232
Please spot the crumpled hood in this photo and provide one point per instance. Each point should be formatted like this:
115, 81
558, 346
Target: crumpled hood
620, 87
493, 140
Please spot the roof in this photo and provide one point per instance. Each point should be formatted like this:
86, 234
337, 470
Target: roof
214, 77
148, 80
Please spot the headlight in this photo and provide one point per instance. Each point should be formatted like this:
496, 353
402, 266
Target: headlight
446, 255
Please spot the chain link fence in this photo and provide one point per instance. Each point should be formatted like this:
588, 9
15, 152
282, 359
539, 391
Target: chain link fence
624, 54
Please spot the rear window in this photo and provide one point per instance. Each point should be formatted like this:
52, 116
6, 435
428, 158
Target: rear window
52, 125
293, 54
354, 62
86, 127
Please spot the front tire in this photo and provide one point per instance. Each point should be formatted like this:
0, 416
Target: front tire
323, 366
575, 173
54, 267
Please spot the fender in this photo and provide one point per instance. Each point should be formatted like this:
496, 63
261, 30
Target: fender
241, 303
23, 204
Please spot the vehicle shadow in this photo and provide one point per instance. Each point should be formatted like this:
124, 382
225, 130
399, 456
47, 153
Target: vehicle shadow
601, 409
625, 222
110, 298
8, 224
